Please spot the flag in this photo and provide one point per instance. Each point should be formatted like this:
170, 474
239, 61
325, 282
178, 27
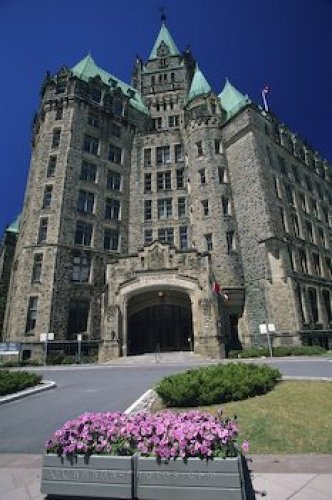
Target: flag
265, 91
216, 288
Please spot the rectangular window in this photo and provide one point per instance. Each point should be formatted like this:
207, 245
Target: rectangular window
282, 165
37, 268
316, 264
31, 315
88, 172
47, 198
269, 156
81, 263
113, 181
95, 94
147, 158
83, 234
325, 214
327, 304
208, 242
173, 121
157, 122
283, 218
91, 145
166, 235
94, 119
181, 207
302, 202
42, 233
230, 240
111, 239
56, 138
180, 178
85, 202
165, 208
61, 86
199, 148
328, 265
164, 181
222, 175
321, 237
217, 146
309, 184
312, 293
51, 166
313, 207
309, 231
147, 236
112, 209
178, 152
183, 237
202, 176
296, 174
115, 154
147, 209
163, 155
118, 107
295, 224
115, 130
205, 207
147, 183
78, 318
289, 193
303, 261
59, 112
277, 187
225, 205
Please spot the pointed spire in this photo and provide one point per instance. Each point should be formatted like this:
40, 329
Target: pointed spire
199, 85
164, 36
86, 68
231, 99
14, 227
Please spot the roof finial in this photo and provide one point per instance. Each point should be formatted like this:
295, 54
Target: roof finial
162, 14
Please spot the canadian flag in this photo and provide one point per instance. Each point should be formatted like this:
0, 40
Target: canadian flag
216, 288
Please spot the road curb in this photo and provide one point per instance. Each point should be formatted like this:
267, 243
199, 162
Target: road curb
143, 403
46, 385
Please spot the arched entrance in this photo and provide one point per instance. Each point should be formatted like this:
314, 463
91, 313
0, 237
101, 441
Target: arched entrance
159, 320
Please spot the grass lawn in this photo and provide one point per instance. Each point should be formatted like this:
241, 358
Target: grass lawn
295, 417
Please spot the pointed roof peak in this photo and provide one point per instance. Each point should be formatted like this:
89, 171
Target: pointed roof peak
165, 37
86, 65
199, 85
231, 99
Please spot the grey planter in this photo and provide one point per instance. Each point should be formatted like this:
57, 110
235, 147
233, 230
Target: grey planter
87, 477
192, 480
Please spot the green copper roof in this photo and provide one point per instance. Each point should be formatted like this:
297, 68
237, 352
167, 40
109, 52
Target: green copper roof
231, 99
164, 36
87, 69
199, 85
14, 227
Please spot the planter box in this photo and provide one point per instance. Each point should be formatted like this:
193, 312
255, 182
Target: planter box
87, 477
193, 480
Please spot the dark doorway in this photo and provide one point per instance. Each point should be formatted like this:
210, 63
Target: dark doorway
161, 327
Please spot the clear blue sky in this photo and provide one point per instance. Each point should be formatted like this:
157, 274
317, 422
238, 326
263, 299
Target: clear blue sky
287, 43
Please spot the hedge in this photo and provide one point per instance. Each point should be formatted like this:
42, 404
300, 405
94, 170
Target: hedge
13, 381
278, 351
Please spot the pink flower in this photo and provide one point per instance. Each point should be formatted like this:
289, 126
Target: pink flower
245, 446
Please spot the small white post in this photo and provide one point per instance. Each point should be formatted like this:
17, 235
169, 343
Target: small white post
79, 346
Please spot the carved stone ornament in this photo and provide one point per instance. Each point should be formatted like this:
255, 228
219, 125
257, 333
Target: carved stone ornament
163, 50
157, 257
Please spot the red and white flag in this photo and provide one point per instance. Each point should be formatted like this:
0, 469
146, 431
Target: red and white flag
265, 91
216, 288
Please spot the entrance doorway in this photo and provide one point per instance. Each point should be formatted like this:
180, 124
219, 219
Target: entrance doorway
159, 321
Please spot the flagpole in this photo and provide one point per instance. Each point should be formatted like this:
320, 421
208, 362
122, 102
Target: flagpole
264, 100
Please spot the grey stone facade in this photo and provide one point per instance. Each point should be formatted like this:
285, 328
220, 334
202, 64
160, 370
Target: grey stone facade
238, 203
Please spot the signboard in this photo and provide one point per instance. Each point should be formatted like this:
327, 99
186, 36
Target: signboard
267, 328
271, 327
44, 337
79, 337
263, 328
10, 347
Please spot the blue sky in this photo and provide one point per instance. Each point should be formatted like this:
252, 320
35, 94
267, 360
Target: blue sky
287, 43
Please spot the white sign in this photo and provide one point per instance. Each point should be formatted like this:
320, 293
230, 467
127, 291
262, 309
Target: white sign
271, 327
79, 337
263, 328
44, 337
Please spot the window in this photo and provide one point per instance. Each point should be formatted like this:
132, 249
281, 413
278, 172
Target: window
61, 86
164, 181
115, 154
325, 214
91, 144
205, 207
302, 202
147, 209
276, 187
315, 259
78, 317
312, 293
327, 304
289, 193
283, 219
83, 234
163, 155
183, 234
88, 172
313, 207
309, 231
291, 258
147, 236
37, 268
94, 119
222, 175
181, 207
85, 202
153, 80
230, 240
321, 237
208, 242
47, 199
147, 183
56, 138
202, 176
112, 209
328, 265
95, 94
199, 148
147, 157
31, 315
296, 174
118, 108
180, 179
166, 235
51, 166
113, 181
225, 205
115, 130
157, 122
59, 112
282, 165
295, 224
173, 121
81, 262
303, 261
42, 233
269, 156
178, 152
217, 146
309, 184
111, 239
165, 208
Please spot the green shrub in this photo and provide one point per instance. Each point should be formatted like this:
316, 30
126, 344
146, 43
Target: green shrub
278, 351
11, 381
217, 384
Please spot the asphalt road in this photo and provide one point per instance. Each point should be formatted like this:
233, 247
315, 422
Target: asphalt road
26, 424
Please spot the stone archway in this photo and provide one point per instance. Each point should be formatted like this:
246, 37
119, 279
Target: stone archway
159, 320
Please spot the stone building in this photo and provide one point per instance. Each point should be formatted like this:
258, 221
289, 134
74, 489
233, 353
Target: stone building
7, 251
161, 215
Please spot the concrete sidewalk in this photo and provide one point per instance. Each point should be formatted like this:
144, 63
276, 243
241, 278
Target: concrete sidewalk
275, 477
